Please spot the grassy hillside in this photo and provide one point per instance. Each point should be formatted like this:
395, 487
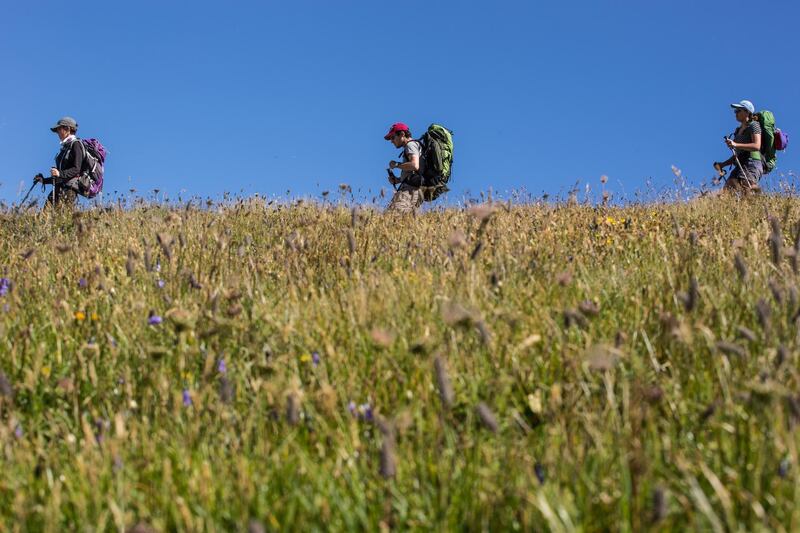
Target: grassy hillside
304, 368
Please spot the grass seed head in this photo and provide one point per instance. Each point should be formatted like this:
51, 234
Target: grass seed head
487, 418
741, 266
446, 394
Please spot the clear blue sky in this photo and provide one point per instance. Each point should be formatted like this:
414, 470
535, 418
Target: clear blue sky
268, 96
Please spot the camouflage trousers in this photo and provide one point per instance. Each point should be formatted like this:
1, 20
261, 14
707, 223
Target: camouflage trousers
406, 199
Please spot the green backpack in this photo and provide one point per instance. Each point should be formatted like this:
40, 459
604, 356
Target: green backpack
768, 152
437, 151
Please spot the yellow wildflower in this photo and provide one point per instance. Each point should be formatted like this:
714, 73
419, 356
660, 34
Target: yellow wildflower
95, 317
46, 371
305, 358
80, 316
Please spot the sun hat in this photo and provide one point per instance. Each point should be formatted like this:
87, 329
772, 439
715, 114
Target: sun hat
745, 104
68, 122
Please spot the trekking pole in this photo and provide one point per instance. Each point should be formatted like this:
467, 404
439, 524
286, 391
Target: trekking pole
392, 178
739, 165
28, 193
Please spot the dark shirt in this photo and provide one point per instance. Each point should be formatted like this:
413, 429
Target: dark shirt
744, 135
69, 160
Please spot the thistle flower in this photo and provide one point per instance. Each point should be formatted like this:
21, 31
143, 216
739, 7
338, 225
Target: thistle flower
82, 283
315, 358
187, 398
154, 319
221, 367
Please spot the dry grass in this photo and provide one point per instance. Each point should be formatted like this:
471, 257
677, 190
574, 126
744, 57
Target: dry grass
533, 367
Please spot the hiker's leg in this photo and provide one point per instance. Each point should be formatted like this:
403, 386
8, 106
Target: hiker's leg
406, 200
65, 198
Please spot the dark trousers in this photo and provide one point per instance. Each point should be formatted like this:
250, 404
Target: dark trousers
65, 198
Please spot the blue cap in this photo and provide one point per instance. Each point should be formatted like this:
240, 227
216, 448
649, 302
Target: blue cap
745, 104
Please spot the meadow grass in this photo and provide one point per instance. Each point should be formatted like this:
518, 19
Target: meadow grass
307, 367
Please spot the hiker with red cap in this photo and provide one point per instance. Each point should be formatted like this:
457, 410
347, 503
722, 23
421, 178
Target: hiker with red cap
408, 193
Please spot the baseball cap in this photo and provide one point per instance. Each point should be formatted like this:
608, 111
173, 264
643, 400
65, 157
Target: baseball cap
69, 122
398, 126
745, 104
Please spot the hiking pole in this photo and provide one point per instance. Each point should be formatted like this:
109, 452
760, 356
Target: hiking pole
28, 193
392, 178
739, 165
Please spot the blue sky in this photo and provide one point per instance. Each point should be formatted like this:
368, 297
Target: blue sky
274, 96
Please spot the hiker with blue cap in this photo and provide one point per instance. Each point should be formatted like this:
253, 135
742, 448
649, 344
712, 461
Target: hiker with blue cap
746, 147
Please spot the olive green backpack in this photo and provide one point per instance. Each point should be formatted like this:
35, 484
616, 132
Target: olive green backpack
437, 151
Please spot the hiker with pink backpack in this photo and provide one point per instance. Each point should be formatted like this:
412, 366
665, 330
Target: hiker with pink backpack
78, 167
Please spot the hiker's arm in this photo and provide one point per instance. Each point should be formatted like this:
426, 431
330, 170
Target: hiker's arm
412, 164
728, 162
752, 147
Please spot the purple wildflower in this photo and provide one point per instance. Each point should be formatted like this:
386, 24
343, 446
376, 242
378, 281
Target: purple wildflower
352, 408
5, 286
160, 284
82, 283
366, 411
221, 368
154, 320
18, 431
187, 398
315, 358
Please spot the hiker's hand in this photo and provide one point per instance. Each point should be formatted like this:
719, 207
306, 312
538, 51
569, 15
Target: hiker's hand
54, 172
393, 164
730, 143
38, 178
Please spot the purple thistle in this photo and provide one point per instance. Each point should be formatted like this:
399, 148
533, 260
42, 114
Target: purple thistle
160, 284
187, 398
221, 367
5, 286
82, 283
315, 358
154, 320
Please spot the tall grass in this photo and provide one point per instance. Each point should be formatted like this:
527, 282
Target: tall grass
539, 367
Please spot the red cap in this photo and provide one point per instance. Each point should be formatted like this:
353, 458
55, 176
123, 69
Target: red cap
395, 128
